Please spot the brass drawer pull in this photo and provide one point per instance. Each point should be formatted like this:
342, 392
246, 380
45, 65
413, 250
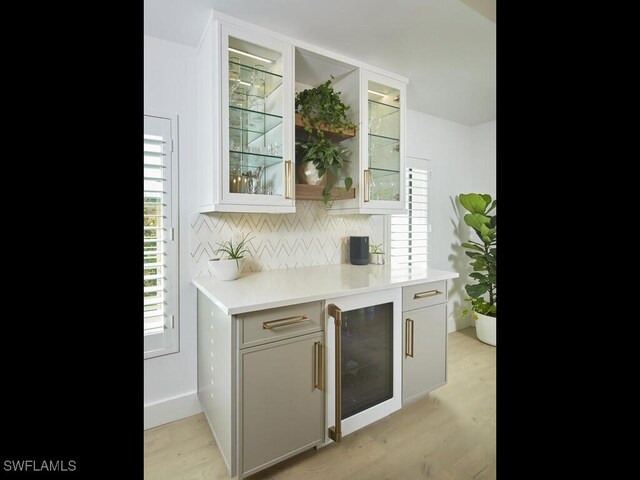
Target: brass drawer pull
288, 179
408, 338
317, 366
428, 293
367, 184
335, 432
285, 321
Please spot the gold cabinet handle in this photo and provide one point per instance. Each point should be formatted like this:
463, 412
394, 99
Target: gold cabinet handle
367, 184
335, 432
287, 179
284, 321
428, 293
408, 338
317, 366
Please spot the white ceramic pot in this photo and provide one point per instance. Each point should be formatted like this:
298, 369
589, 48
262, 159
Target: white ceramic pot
226, 269
486, 328
308, 174
376, 258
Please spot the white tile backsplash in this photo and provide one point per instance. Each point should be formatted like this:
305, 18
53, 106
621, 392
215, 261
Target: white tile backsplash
305, 238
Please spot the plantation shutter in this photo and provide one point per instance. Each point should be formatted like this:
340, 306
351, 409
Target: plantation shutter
409, 232
160, 254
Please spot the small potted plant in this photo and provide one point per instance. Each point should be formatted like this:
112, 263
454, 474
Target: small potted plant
230, 268
483, 293
321, 109
376, 255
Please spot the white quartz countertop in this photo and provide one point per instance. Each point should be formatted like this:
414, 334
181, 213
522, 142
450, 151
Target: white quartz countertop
277, 288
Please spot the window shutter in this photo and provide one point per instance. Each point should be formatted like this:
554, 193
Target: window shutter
155, 231
409, 232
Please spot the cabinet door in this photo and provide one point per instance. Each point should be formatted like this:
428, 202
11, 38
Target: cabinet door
366, 346
257, 128
282, 403
382, 149
425, 351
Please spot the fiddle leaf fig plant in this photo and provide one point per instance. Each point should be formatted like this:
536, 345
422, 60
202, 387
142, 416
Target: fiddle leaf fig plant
482, 253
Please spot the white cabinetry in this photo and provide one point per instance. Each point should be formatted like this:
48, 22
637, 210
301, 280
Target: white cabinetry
245, 121
247, 77
424, 365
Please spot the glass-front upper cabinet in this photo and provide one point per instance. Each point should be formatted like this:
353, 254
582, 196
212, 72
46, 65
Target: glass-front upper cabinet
256, 119
382, 151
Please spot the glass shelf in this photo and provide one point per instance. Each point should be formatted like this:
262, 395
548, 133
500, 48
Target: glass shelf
251, 120
385, 184
384, 120
384, 153
246, 83
388, 107
382, 140
252, 160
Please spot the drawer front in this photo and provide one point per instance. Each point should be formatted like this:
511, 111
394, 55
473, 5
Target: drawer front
275, 324
423, 295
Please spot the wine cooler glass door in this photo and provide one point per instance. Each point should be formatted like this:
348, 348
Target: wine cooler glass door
364, 359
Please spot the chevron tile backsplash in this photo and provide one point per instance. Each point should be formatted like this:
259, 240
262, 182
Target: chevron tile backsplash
305, 238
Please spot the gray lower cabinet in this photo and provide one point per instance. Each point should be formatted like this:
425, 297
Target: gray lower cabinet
260, 382
281, 401
424, 365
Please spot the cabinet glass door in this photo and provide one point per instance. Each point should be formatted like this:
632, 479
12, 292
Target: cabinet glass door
384, 142
256, 114
383, 147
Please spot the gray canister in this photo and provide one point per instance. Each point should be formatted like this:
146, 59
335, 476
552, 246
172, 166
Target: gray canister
359, 250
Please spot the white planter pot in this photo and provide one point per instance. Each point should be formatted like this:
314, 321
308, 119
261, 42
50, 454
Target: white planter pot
308, 174
226, 269
486, 328
376, 258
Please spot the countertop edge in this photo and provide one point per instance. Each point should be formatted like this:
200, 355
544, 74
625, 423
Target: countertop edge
236, 310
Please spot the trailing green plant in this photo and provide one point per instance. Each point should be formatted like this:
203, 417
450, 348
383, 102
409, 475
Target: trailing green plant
321, 107
328, 158
482, 253
237, 251
322, 104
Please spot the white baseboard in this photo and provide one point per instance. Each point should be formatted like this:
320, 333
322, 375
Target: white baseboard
170, 410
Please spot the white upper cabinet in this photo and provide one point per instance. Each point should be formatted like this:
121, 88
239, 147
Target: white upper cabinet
250, 140
378, 168
246, 126
382, 140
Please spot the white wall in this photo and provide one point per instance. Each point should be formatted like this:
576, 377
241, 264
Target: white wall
483, 157
462, 161
170, 381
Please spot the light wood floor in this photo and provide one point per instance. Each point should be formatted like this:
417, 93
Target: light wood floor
449, 435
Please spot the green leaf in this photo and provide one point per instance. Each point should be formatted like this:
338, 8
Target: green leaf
472, 254
348, 182
472, 246
473, 202
475, 220
474, 291
487, 198
493, 205
478, 276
